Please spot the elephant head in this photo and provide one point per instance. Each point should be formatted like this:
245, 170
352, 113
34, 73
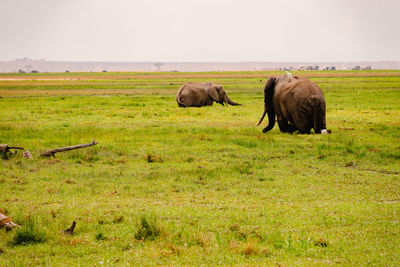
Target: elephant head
217, 93
268, 104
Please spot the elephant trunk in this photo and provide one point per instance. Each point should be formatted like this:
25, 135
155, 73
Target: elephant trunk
230, 102
271, 121
268, 104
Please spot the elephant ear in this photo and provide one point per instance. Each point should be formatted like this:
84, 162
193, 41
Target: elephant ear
212, 91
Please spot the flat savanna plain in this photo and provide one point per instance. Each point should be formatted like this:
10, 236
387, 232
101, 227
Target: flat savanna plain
169, 185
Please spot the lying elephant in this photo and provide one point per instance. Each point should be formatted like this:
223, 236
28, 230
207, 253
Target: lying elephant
202, 94
299, 105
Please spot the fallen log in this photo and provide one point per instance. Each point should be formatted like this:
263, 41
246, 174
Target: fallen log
6, 222
62, 149
6, 148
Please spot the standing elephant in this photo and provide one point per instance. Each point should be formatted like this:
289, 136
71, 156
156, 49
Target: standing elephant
202, 94
299, 105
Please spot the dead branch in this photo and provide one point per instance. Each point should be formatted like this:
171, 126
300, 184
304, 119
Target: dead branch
6, 148
71, 229
6, 222
62, 149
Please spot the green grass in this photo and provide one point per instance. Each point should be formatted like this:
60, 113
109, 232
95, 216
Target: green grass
28, 234
173, 186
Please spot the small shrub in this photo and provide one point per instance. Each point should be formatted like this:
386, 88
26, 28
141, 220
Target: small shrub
7, 154
28, 234
153, 158
321, 243
277, 240
204, 239
70, 181
148, 230
118, 219
190, 159
100, 236
250, 248
238, 233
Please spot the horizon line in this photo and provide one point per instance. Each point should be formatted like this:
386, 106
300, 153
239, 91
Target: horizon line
26, 59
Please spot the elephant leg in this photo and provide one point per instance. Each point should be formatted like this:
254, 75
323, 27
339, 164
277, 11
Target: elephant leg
302, 125
208, 102
292, 128
182, 105
302, 120
285, 127
307, 131
304, 129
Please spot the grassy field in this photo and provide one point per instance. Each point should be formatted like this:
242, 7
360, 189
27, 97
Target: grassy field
173, 186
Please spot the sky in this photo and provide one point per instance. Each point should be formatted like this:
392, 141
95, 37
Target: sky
200, 30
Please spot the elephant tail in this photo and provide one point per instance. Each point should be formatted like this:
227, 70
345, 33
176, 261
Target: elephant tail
180, 101
319, 110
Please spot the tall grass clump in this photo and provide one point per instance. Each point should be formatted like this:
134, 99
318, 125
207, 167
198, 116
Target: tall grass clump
29, 233
148, 229
100, 236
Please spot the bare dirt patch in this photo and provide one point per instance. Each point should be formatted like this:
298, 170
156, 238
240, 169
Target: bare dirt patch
62, 77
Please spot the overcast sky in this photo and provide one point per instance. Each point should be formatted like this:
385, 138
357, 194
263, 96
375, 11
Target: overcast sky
200, 30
